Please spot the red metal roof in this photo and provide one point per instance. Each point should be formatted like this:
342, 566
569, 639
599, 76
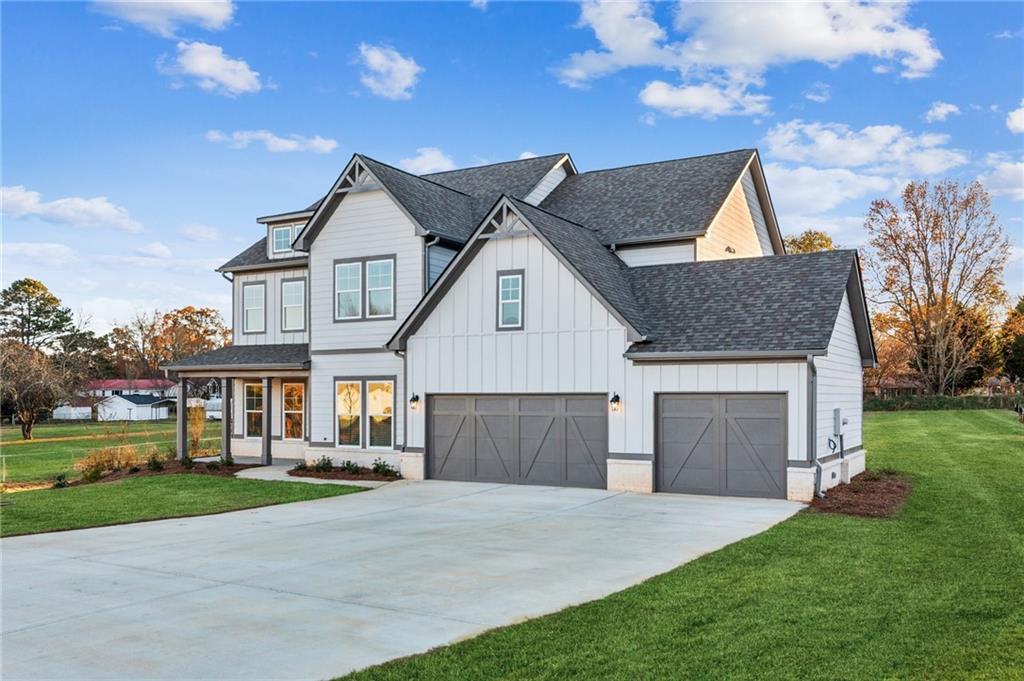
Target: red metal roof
129, 384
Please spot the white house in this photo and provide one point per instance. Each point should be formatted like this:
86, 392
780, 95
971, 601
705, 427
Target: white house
636, 328
133, 408
105, 387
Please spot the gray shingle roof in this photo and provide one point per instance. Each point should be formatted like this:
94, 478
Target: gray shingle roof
256, 256
650, 200
266, 356
785, 303
515, 178
143, 399
596, 264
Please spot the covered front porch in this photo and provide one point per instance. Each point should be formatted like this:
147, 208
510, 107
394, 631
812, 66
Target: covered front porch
265, 408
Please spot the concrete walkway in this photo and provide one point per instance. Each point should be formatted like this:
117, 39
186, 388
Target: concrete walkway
314, 589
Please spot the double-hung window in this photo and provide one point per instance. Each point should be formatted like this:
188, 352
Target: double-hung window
510, 300
365, 411
281, 238
253, 410
364, 289
293, 305
294, 408
253, 309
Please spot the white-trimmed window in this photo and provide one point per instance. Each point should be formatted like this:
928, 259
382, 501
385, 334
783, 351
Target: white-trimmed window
294, 409
380, 288
293, 305
254, 410
348, 279
380, 413
510, 300
253, 308
281, 239
349, 408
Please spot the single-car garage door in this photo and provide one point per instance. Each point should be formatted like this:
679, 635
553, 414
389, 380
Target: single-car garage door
732, 445
520, 439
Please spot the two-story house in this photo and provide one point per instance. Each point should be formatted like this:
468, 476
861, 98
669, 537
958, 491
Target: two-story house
637, 328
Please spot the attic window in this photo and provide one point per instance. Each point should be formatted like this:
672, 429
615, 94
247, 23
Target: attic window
282, 237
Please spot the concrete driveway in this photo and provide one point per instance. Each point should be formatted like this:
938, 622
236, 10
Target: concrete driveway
315, 589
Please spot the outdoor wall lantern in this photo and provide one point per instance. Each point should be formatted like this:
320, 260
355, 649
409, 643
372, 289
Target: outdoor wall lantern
414, 402
615, 402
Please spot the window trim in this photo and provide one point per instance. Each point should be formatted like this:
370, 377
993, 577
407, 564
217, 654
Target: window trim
293, 280
364, 420
285, 412
273, 239
363, 293
246, 411
263, 285
504, 274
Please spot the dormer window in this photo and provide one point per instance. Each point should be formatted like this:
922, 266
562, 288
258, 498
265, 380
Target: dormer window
281, 239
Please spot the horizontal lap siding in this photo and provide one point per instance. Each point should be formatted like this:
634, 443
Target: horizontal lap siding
570, 343
322, 372
739, 225
546, 185
840, 383
638, 256
364, 224
273, 333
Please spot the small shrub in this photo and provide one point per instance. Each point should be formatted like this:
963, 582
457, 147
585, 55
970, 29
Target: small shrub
187, 462
212, 466
323, 464
351, 467
108, 459
92, 474
300, 466
170, 452
382, 467
134, 469
227, 459
60, 482
155, 464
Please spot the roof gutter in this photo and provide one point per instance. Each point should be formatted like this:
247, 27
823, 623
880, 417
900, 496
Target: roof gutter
284, 264
237, 367
659, 356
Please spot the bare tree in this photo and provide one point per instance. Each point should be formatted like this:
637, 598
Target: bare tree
937, 264
30, 383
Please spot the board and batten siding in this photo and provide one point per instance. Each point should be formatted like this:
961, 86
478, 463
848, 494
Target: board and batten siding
272, 303
570, 344
740, 224
841, 384
364, 224
546, 185
662, 254
438, 257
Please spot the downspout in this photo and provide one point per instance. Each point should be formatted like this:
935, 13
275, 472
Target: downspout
812, 435
426, 262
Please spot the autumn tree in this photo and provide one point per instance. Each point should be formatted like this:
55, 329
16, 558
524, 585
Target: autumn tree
937, 259
1011, 342
32, 384
893, 352
809, 241
32, 315
189, 331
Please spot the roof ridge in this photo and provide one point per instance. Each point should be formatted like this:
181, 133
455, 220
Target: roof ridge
490, 165
555, 215
752, 150
418, 177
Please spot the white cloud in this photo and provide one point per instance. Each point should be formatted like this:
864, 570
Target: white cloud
240, 139
814, 190
478, 4
705, 100
51, 254
876, 148
154, 249
818, 92
1006, 35
151, 261
212, 70
726, 51
527, 154
1015, 119
164, 18
846, 230
427, 160
194, 231
940, 111
389, 74
649, 119
17, 201
1005, 177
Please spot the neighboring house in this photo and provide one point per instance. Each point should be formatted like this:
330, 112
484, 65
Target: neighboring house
161, 387
636, 328
133, 408
76, 409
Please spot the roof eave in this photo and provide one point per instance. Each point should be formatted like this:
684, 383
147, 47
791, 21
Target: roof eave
284, 264
266, 219
281, 366
700, 356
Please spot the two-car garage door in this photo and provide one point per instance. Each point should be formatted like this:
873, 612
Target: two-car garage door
523, 439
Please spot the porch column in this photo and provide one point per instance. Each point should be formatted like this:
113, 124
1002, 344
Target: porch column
226, 412
182, 418
266, 459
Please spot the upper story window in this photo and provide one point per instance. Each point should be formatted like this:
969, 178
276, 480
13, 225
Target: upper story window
253, 307
510, 300
364, 288
293, 305
281, 238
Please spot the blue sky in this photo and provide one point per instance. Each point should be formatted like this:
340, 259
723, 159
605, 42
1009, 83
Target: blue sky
140, 142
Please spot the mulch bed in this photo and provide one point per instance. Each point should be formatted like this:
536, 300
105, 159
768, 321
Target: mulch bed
172, 467
340, 474
873, 494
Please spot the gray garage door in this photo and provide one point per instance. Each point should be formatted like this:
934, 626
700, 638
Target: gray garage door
732, 445
521, 439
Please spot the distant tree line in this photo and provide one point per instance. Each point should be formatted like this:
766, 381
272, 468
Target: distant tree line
47, 354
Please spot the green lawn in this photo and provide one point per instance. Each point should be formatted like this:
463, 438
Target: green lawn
55, 446
935, 593
147, 498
